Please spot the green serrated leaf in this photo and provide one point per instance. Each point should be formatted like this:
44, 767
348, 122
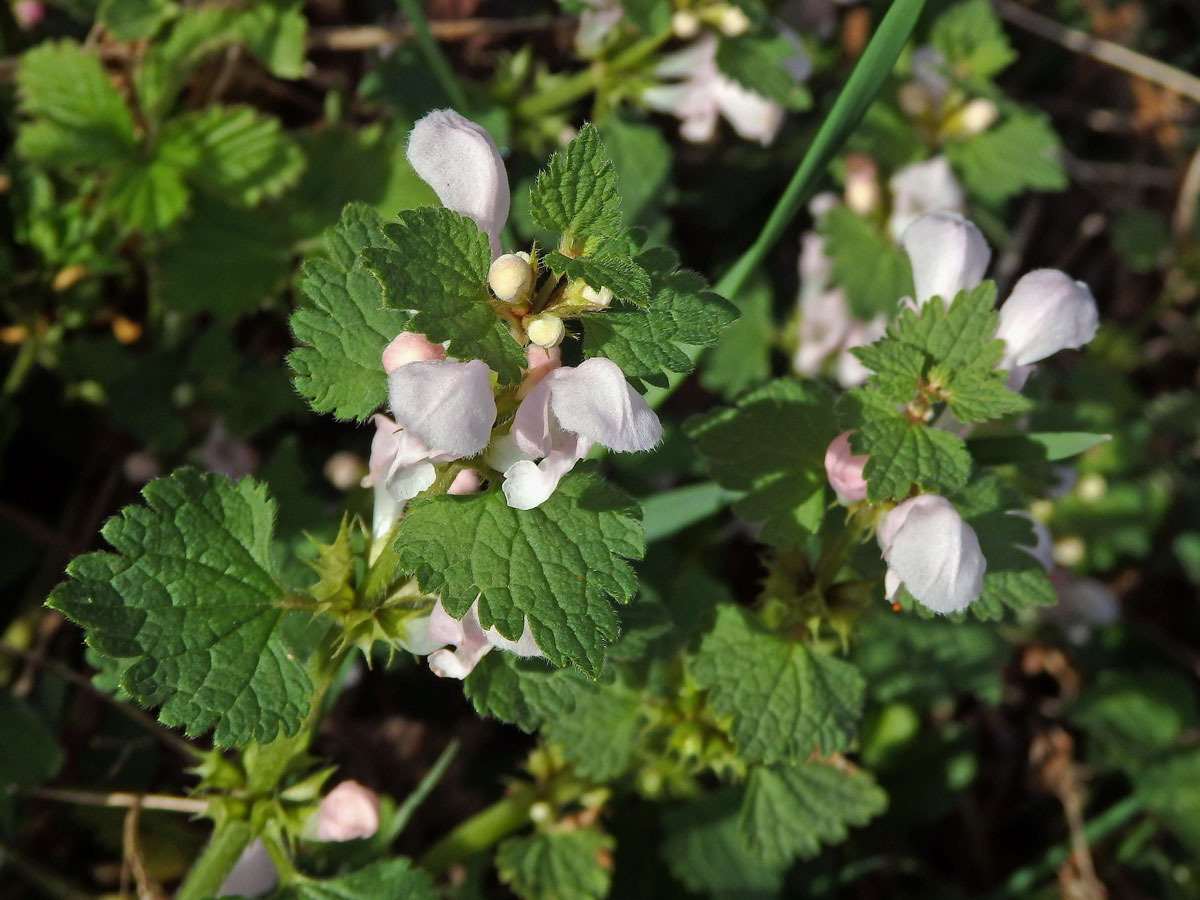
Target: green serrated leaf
786, 700
145, 195
956, 657
131, 20
339, 366
972, 41
436, 264
648, 344
192, 594
643, 161
233, 152
901, 452
706, 849
275, 31
873, 271
598, 736
759, 62
1019, 154
772, 445
557, 865
391, 879
78, 118
525, 693
1130, 717
577, 194
556, 565
790, 811
975, 394
626, 279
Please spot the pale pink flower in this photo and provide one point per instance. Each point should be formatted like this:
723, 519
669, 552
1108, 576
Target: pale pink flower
1046, 312
704, 93
407, 347
566, 412
921, 188
844, 470
401, 466
28, 14
460, 161
933, 553
471, 642
253, 874
226, 455
349, 812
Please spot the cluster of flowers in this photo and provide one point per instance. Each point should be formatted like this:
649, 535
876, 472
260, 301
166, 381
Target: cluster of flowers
927, 546
444, 410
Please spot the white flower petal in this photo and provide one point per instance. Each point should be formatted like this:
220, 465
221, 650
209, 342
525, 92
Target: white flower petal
253, 875
595, 401
922, 188
948, 255
349, 812
934, 553
753, 116
446, 403
531, 427
524, 646
459, 160
1046, 312
528, 485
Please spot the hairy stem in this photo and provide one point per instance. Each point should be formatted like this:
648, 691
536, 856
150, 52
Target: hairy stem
481, 831
213, 866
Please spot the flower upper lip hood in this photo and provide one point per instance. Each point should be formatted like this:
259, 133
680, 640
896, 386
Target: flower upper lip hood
931, 551
460, 161
948, 255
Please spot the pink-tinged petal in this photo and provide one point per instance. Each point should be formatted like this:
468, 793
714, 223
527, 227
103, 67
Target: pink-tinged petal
459, 160
503, 452
824, 323
1046, 312
525, 646
457, 664
849, 371
446, 403
698, 57
753, 116
595, 401
934, 553
399, 469
844, 469
531, 424
253, 874
948, 255
528, 485
465, 482
408, 347
921, 188
540, 362
419, 639
349, 812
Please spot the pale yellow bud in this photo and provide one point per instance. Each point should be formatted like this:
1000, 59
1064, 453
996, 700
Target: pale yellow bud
1091, 487
685, 25
733, 22
599, 299
511, 276
1069, 551
976, 116
546, 330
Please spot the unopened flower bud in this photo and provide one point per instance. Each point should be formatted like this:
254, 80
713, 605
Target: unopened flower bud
733, 21
349, 812
1091, 487
409, 347
1070, 550
862, 184
975, 117
511, 276
599, 299
344, 470
546, 330
465, 482
685, 25
845, 470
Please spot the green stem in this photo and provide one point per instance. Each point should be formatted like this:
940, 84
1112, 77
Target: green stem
480, 831
432, 53
577, 86
26, 356
213, 866
864, 83
1022, 881
834, 553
